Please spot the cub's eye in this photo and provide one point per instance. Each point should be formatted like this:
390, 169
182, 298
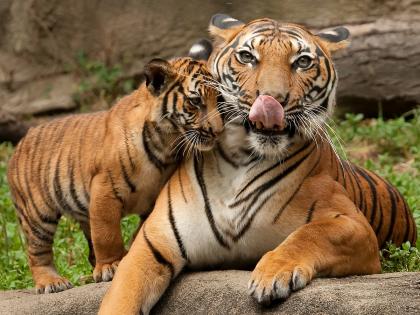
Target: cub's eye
303, 62
246, 57
195, 101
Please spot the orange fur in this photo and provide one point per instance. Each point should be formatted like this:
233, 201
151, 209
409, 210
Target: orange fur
288, 204
100, 167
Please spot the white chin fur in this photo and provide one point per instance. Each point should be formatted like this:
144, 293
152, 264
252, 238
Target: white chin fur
270, 149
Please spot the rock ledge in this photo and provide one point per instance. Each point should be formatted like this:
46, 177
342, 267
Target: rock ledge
224, 292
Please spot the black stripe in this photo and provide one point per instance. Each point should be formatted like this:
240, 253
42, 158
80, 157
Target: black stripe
127, 179
273, 181
310, 212
158, 256
41, 215
28, 176
58, 191
379, 226
333, 157
350, 175
408, 220
181, 185
36, 229
127, 149
84, 130
73, 192
165, 98
164, 110
114, 189
72, 186
393, 213
371, 182
198, 168
45, 199
175, 100
271, 168
361, 195
173, 225
146, 143
296, 191
342, 173
41, 253
248, 223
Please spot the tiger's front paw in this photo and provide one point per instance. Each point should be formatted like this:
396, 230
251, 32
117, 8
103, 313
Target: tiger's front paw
105, 272
52, 284
275, 278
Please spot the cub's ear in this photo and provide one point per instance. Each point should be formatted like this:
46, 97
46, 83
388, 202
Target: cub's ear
201, 50
158, 73
223, 27
335, 39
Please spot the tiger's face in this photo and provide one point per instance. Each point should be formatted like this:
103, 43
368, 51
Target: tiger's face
277, 78
186, 100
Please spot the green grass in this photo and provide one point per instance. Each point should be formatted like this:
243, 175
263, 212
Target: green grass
391, 148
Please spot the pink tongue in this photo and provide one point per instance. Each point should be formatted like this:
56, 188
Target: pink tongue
267, 111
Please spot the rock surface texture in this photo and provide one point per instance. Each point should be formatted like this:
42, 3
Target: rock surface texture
224, 292
40, 40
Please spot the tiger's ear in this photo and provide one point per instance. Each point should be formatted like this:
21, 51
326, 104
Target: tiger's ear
223, 27
158, 73
335, 39
201, 50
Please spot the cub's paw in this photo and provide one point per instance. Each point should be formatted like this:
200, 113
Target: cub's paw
275, 278
52, 284
105, 272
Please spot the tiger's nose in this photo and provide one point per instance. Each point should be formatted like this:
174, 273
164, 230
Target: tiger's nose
282, 98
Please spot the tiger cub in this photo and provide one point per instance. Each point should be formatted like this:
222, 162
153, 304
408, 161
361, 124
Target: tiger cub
99, 167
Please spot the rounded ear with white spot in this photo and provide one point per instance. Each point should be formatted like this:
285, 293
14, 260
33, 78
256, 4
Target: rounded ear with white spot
223, 27
201, 50
158, 73
335, 39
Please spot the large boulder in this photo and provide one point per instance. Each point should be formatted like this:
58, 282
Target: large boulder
224, 292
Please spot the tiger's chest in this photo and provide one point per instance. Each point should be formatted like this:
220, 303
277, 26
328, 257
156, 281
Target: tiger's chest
235, 216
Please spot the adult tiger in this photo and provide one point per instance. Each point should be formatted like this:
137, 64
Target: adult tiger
99, 167
295, 204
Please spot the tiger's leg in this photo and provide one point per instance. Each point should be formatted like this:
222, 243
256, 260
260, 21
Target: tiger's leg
144, 273
86, 232
40, 238
338, 242
105, 216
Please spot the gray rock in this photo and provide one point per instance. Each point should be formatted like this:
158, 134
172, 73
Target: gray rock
40, 39
224, 292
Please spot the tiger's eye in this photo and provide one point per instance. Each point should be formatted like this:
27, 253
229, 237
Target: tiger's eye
303, 62
195, 101
246, 57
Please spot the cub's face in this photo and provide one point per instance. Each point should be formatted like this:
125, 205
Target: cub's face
187, 99
277, 78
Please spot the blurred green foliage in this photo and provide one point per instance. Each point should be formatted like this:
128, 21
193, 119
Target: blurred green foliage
100, 83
